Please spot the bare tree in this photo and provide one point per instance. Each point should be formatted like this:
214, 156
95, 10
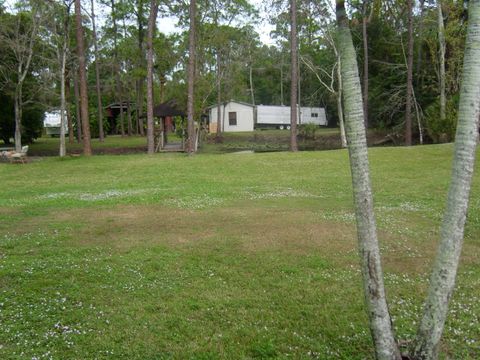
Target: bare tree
150, 32
191, 80
294, 75
87, 148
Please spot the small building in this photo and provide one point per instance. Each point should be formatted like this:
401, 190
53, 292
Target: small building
51, 123
235, 116
278, 117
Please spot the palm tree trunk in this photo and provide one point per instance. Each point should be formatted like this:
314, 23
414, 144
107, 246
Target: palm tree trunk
442, 280
375, 298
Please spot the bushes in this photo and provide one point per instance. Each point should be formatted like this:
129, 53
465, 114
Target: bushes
438, 130
307, 131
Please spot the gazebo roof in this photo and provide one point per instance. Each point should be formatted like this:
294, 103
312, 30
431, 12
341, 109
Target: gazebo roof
168, 108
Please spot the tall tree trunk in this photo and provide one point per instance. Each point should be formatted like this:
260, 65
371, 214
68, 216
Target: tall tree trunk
87, 148
281, 81
63, 106
150, 33
118, 93
365, 61
441, 54
78, 115
191, 80
18, 118
219, 98
420, 42
251, 84
129, 117
69, 112
377, 309
442, 280
408, 106
101, 134
294, 75
140, 82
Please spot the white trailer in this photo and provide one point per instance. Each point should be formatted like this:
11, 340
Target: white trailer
313, 115
51, 123
278, 117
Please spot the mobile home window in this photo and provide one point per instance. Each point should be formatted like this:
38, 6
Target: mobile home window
314, 114
232, 118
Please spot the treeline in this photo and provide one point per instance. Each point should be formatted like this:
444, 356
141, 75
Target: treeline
230, 61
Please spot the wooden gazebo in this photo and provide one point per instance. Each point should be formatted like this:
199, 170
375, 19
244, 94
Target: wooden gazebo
166, 112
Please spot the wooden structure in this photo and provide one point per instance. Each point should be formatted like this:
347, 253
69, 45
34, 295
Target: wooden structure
166, 112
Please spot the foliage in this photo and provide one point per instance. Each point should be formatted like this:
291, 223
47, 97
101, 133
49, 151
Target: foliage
307, 131
438, 130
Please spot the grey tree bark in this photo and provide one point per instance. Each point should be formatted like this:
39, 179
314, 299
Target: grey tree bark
87, 148
294, 75
442, 279
150, 32
101, 134
441, 55
191, 80
375, 298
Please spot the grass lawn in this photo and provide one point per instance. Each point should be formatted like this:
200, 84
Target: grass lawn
232, 256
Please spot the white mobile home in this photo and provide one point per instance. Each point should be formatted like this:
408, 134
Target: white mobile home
268, 116
313, 115
234, 116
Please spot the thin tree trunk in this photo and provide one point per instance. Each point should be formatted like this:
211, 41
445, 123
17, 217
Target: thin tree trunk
118, 94
219, 99
420, 41
129, 117
18, 118
69, 112
87, 149
339, 94
365, 62
150, 32
441, 54
408, 106
140, 82
191, 80
63, 107
281, 81
294, 75
76, 89
101, 134
377, 309
442, 280
251, 85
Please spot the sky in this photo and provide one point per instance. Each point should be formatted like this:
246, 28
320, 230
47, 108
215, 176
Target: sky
168, 25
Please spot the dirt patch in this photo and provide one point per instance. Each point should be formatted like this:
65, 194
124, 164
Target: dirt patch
96, 151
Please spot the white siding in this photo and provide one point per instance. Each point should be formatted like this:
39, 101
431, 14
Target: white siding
244, 115
313, 115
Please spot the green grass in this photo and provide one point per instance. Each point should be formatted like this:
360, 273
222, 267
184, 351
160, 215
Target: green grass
220, 256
